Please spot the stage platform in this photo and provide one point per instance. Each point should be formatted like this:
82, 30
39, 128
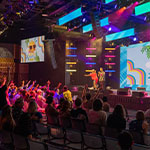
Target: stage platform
130, 102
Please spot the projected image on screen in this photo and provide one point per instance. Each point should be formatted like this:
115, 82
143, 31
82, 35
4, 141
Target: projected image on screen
32, 50
135, 66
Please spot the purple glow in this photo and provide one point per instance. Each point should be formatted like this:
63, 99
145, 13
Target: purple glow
90, 48
83, 20
110, 56
110, 63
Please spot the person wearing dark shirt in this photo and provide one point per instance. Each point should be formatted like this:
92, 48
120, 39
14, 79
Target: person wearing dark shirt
117, 118
78, 112
3, 89
51, 112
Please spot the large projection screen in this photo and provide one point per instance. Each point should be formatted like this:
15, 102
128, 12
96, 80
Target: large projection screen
135, 66
32, 50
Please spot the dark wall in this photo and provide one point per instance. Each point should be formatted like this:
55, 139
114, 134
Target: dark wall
44, 71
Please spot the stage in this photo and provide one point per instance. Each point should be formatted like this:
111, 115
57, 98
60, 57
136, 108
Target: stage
129, 101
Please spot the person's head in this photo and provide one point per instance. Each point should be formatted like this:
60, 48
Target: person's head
32, 108
65, 105
101, 69
49, 100
88, 96
19, 103
65, 88
78, 102
97, 105
106, 107
125, 140
140, 115
119, 110
93, 71
32, 94
39, 92
104, 99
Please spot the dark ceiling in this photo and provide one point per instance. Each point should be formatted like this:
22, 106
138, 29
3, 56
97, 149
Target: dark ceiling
20, 19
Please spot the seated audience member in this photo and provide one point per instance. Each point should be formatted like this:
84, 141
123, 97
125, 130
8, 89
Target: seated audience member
65, 110
97, 115
6, 120
67, 94
117, 118
51, 112
140, 124
17, 110
32, 110
78, 112
147, 113
106, 105
125, 140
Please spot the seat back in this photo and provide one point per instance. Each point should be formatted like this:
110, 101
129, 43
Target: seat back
20, 142
35, 145
41, 129
93, 129
111, 132
93, 141
78, 124
112, 144
6, 137
65, 122
137, 137
140, 147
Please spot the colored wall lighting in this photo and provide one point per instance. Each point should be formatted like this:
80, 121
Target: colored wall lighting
90, 56
88, 70
75, 14
71, 70
104, 22
108, 1
110, 63
87, 28
71, 48
110, 71
142, 9
71, 63
119, 35
111, 56
90, 63
71, 55
90, 48
110, 49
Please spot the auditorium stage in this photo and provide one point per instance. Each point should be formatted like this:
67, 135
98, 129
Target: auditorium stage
129, 101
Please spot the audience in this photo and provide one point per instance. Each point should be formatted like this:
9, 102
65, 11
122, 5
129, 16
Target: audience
97, 115
78, 112
117, 118
51, 112
106, 105
140, 124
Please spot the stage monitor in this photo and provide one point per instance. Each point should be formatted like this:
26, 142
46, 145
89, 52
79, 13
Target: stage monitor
135, 66
32, 50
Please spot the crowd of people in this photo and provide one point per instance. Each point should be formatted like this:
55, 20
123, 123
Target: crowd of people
21, 107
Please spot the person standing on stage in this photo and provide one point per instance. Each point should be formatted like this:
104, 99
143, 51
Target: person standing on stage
101, 75
94, 77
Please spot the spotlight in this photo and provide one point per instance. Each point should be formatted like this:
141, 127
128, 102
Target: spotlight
84, 20
109, 29
134, 39
145, 18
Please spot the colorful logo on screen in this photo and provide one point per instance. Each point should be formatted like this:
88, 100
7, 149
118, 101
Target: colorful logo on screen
131, 79
141, 72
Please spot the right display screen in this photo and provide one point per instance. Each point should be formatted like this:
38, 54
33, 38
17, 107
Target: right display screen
135, 66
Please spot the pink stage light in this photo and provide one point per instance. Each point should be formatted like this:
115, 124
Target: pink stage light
90, 48
110, 56
110, 63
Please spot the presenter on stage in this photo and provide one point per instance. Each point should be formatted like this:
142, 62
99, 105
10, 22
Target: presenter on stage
101, 76
94, 77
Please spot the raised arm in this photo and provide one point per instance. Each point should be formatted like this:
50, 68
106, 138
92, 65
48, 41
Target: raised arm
4, 82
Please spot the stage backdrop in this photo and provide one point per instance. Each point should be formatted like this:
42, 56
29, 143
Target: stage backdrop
135, 66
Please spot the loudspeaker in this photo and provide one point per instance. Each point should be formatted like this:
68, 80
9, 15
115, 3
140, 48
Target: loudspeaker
139, 94
123, 91
141, 88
